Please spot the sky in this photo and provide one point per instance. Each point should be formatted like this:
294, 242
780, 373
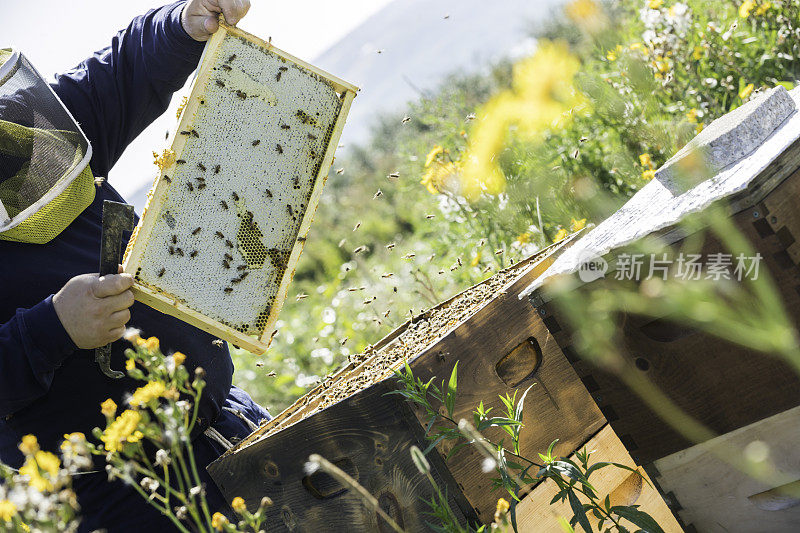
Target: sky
56, 35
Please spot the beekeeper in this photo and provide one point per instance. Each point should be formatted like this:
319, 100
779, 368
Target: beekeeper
54, 140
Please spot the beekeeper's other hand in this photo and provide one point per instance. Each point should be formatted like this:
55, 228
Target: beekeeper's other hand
200, 17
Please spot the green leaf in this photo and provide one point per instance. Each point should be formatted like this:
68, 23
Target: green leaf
580, 512
451, 391
638, 518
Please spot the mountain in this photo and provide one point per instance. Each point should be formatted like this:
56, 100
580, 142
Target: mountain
411, 45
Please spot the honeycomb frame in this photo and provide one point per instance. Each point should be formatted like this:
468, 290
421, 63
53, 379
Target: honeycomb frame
271, 265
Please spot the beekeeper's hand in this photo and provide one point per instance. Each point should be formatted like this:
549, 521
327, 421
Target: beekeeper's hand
94, 309
200, 17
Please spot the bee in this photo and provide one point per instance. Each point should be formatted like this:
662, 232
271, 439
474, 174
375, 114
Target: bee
342, 242
167, 179
391, 245
406, 119
576, 154
313, 154
226, 68
236, 280
441, 272
359, 249
190, 186
470, 117
224, 205
358, 225
583, 139
301, 296
452, 268
179, 252
409, 255
458, 260
171, 250
301, 239
201, 186
430, 216
340, 170
387, 275
431, 258
228, 243
184, 132
217, 169
289, 210
272, 374
180, 162
193, 254
278, 76
304, 117
228, 290
235, 196
312, 136
174, 239
279, 148
259, 364
353, 289
377, 194
256, 142
241, 267
201, 166
343, 341
219, 233
225, 263
498, 252
195, 134
161, 272
285, 126
231, 58
393, 176
296, 181
370, 300
241, 95
487, 269
201, 179
228, 256
218, 343
386, 314
220, 83
269, 193
483, 241
283, 69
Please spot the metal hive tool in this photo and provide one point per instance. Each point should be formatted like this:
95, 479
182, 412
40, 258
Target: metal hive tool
227, 218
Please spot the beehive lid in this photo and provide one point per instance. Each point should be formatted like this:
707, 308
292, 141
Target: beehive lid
740, 148
227, 218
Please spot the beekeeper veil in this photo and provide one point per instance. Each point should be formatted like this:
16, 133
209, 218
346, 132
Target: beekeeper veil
45, 180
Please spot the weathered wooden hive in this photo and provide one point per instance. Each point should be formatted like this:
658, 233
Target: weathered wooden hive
501, 345
741, 395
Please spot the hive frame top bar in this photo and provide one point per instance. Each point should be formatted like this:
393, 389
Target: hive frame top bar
173, 305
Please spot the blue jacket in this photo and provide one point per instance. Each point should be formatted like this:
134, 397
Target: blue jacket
48, 387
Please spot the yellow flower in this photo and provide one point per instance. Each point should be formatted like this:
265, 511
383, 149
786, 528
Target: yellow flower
692, 115
577, 225
7, 510
238, 505
130, 364
560, 235
638, 47
697, 54
746, 7
763, 8
655, 4
581, 10
218, 521
648, 175
179, 358
151, 344
746, 91
34, 467
646, 160
476, 259
108, 408
151, 391
503, 506
123, 429
433, 154
611, 55
182, 106
436, 176
29, 445
524, 238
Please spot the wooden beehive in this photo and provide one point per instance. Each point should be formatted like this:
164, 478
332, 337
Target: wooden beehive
501, 346
227, 218
740, 394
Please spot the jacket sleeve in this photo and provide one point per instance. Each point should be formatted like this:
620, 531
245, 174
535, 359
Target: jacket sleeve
36, 337
119, 91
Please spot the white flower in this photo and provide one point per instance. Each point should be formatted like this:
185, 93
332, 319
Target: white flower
162, 458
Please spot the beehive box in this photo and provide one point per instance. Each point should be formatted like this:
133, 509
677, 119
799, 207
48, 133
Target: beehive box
227, 218
730, 389
501, 346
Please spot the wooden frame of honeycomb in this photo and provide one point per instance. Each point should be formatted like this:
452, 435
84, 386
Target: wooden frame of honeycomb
253, 334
